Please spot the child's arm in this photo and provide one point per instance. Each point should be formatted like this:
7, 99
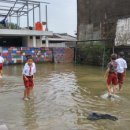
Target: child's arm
125, 67
107, 72
125, 72
23, 73
25, 77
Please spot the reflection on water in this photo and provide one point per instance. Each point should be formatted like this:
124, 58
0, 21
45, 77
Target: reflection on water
62, 98
29, 115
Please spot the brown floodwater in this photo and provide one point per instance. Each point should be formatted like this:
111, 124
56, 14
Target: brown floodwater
61, 100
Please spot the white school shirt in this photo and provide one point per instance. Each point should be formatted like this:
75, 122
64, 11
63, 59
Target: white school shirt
121, 65
1, 59
33, 64
26, 70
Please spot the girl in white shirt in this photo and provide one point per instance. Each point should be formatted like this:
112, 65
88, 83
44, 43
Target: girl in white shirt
121, 69
28, 74
1, 65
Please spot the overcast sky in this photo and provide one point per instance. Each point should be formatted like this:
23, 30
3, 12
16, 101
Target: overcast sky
62, 16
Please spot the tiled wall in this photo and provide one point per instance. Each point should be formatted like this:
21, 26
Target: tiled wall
15, 55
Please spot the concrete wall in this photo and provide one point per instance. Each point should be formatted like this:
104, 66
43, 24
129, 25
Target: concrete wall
100, 16
61, 45
26, 32
28, 42
39, 42
55, 45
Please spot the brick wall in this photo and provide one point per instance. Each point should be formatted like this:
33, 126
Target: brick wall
68, 55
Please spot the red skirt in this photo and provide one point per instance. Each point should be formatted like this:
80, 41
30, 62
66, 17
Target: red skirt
1, 66
28, 83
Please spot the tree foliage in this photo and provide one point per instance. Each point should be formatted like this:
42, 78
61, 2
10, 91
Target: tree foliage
9, 26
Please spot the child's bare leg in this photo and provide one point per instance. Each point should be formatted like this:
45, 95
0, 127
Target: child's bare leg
0, 72
117, 87
28, 92
108, 89
31, 89
114, 89
25, 93
120, 86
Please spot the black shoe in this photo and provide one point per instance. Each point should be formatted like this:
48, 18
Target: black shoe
109, 96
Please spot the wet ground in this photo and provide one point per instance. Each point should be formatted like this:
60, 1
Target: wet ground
62, 98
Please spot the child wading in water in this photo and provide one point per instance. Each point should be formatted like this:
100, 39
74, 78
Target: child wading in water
1, 65
121, 69
28, 74
111, 75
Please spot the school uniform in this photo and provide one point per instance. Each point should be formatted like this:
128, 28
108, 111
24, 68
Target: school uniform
121, 66
33, 64
1, 62
28, 72
112, 76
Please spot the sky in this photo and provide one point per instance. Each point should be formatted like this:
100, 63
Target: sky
62, 16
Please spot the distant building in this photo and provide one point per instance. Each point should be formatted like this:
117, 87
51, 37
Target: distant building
34, 39
26, 38
59, 40
31, 36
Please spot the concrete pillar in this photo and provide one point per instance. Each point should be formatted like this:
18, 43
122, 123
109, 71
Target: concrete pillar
9, 21
47, 42
28, 41
27, 14
41, 41
34, 41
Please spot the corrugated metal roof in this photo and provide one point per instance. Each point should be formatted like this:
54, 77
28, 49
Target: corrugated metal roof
61, 37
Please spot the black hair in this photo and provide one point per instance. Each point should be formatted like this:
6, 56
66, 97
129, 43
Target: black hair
29, 57
113, 56
121, 54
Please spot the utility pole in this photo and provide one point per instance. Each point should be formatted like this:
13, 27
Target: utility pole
39, 13
46, 19
33, 17
27, 14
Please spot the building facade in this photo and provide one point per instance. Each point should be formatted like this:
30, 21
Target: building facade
106, 22
98, 18
59, 40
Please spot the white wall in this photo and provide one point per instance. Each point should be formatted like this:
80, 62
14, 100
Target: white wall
123, 32
26, 41
55, 45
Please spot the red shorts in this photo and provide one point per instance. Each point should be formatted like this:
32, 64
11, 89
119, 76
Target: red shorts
28, 83
112, 78
120, 78
1, 66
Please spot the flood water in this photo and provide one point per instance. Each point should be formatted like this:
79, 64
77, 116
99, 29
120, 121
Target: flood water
61, 100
